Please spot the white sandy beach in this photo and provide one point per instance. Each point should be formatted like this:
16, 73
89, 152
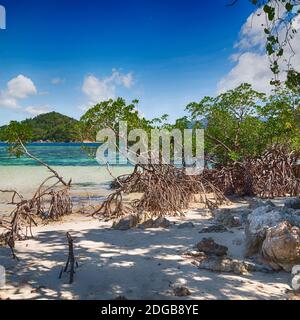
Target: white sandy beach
137, 264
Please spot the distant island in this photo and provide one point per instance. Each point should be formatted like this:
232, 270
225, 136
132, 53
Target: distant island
51, 127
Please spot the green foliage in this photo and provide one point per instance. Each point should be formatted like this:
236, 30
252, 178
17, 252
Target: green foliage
233, 129
15, 134
282, 115
293, 81
279, 20
108, 114
241, 123
51, 126
270, 11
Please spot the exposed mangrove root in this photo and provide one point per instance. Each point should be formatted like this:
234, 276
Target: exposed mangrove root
274, 174
167, 191
17, 229
60, 204
14, 194
113, 207
70, 261
47, 203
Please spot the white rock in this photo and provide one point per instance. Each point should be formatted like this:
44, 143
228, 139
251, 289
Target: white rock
281, 248
258, 222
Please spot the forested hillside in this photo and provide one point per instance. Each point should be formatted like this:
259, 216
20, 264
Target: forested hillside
51, 126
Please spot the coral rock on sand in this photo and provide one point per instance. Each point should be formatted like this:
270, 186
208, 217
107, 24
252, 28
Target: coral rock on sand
281, 248
227, 218
256, 203
157, 223
132, 221
126, 223
217, 228
209, 247
262, 219
293, 217
293, 296
224, 264
259, 221
186, 225
195, 254
182, 292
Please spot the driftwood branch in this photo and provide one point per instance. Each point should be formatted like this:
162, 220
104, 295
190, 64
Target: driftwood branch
44, 164
71, 262
14, 194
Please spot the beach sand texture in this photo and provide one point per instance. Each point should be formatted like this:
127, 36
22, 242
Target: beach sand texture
137, 264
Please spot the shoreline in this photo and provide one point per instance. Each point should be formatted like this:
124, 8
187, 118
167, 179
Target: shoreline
137, 263
88, 182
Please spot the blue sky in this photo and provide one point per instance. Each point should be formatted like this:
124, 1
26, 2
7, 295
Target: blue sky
65, 55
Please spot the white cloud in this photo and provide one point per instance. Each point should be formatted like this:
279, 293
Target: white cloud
35, 111
21, 87
17, 88
251, 68
8, 102
125, 80
252, 64
97, 90
252, 32
58, 80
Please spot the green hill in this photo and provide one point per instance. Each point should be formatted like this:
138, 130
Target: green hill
52, 126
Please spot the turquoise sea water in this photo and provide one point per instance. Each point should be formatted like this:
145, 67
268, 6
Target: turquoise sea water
55, 154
